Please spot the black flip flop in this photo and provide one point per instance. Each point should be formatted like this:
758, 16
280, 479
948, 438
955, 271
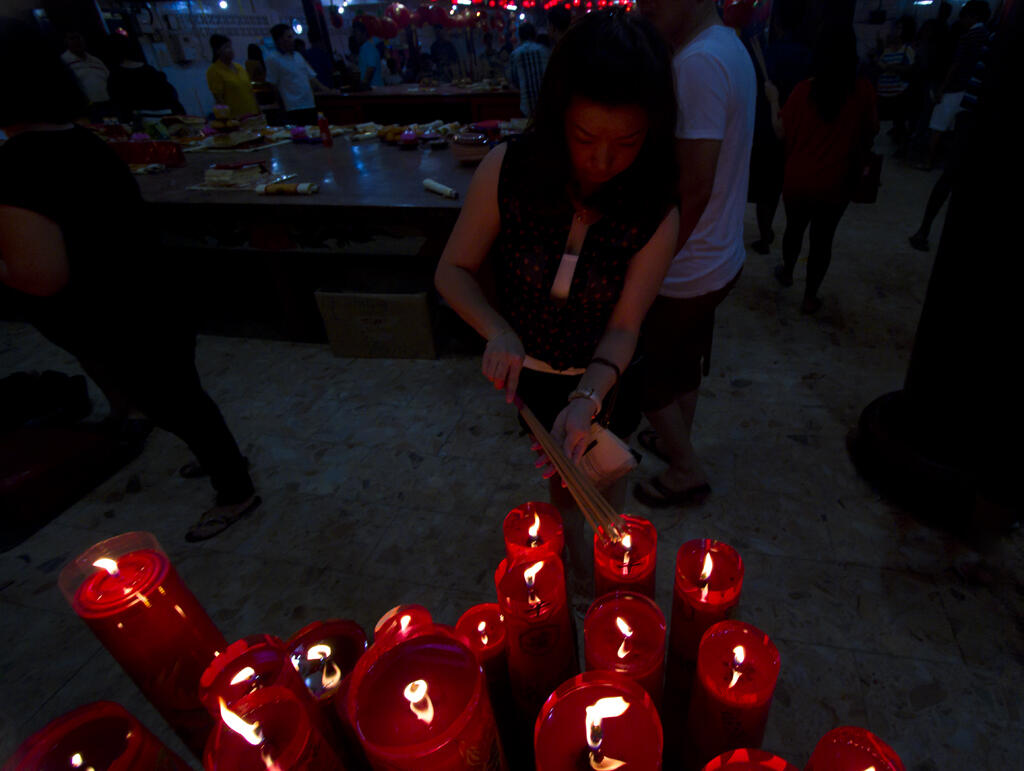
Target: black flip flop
194, 470
648, 439
210, 524
691, 496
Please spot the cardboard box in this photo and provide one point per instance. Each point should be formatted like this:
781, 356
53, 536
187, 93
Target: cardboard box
379, 326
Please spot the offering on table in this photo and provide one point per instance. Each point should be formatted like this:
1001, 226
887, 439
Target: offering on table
290, 188
243, 174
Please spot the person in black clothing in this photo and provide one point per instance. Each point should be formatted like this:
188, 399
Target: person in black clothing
73, 260
136, 86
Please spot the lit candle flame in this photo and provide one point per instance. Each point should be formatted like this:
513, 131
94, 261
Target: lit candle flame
320, 651
329, 681
403, 622
627, 632
627, 544
534, 530
249, 731
612, 706
738, 655
705, 576
530, 574
246, 673
107, 564
76, 760
419, 700
482, 629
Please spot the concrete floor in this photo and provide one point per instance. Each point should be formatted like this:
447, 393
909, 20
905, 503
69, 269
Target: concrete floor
385, 482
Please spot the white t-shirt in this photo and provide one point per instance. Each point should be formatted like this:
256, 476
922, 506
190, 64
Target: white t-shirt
91, 73
716, 90
291, 74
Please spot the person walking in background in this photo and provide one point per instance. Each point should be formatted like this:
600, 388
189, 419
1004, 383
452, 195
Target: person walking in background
716, 90
320, 58
137, 87
84, 284
895, 63
92, 75
295, 79
827, 125
444, 55
370, 70
254, 64
526, 68
228, 80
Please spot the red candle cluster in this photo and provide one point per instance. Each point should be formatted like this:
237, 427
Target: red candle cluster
533, 529
709, 577
421, 704
628, 563
99, 735
128, 593
749, 760
399, 622
849, 748
625, 633
598, 720
737, 667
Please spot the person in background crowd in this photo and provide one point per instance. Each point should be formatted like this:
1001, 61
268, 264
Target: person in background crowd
392, 73
578, 222
228, 80
968, 50
136, 87
895, 63
716, 89
295, 79
828, 123
370, 70
92, 75
559, 20
445, 57
526, 68
82, 281
787, 59
254, 64
495, 59
320, 58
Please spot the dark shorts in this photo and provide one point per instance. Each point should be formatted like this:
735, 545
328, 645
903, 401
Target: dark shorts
676, 344
547, 394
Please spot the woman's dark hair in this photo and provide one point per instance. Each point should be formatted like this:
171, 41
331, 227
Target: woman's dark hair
44, 90
834, 68
217, 42
613, 58
254, 52
278, 31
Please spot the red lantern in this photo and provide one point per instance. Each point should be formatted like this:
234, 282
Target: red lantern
439, 16
399, 14
421, 15
388, 28
372, 24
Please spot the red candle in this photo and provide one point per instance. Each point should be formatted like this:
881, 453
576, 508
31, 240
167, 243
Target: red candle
99, 735
849, 748
595, 721
628, 563
709, 576
421, 705
737, 668
532, 529
130, 596
625, 632
268, 729
323, 653
397, 624
482, 628
541, 645
750, 760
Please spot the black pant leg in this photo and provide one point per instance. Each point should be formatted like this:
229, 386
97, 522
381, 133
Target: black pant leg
824, 222
798, 217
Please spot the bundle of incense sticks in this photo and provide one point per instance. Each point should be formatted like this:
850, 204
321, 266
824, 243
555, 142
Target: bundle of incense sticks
605, 520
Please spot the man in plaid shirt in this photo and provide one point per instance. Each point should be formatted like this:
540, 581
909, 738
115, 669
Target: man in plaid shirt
526, 68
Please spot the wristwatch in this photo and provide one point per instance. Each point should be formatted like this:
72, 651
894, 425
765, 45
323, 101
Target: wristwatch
588, 393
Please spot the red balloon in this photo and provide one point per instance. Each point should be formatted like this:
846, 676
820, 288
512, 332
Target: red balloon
439, 16
372, 24
388, 28
421, 15
399, 14
738, 13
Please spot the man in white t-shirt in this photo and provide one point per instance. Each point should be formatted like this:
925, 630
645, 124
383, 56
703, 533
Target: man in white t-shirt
92, 74
716, 92
295, 79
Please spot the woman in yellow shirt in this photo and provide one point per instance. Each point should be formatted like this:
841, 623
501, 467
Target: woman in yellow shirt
228, 81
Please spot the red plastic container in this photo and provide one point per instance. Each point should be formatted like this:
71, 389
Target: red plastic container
532, 529
627, 564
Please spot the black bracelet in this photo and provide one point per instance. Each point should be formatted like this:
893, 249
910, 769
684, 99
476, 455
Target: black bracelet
612, 364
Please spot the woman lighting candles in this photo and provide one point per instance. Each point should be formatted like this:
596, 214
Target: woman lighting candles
577, 221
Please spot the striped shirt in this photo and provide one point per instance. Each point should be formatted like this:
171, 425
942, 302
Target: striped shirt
891, 83
526, 68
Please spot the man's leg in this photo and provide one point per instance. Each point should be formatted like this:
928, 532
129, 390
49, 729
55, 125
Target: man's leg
674, 425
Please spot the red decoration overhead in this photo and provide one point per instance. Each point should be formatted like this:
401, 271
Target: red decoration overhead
388, 28
399, 14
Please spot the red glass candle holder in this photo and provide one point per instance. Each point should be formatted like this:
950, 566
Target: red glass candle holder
625, 632
541, 645
272, 729
750, 760
629, 563
422, 705
849, 748
737, 669
709, 577
101, 735
323, 653
532, 529
398, 623
128, 593
482, 628
564, 738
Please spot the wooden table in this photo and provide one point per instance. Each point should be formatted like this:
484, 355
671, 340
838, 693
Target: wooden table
410, 104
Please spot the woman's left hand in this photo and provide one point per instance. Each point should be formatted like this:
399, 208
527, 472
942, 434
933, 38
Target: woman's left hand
572, 427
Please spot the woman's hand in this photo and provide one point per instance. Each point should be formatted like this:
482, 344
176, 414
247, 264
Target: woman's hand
572, 427
503, 361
